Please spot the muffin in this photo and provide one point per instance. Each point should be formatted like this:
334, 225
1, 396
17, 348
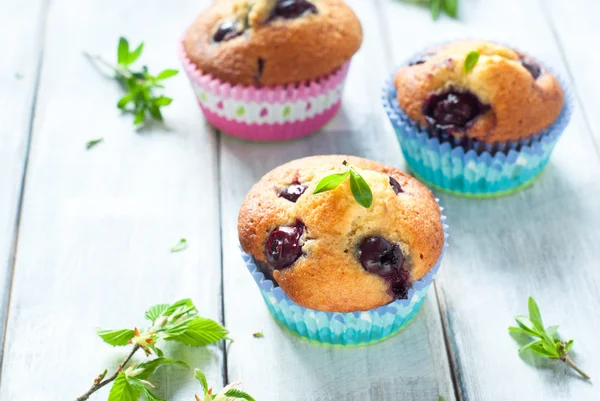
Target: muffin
270, 69
484, 130
324, 256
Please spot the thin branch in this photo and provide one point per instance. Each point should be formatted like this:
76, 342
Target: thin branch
576, 368
103, 383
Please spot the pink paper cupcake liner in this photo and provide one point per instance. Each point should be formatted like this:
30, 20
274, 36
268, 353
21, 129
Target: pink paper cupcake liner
267, 114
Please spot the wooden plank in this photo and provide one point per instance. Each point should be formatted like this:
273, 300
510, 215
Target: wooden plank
97, 225
412, 365
572, 25
19, 66
540, 242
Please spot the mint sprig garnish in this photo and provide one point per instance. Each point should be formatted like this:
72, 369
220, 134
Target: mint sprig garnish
450, 7
358, 185
547, 344
178, 322
470, 61
228, 392
139, 85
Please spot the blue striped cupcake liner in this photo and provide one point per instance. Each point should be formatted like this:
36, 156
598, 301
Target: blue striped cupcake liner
499, 169
343, 329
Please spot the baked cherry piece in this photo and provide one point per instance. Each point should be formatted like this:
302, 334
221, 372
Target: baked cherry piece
283, 246
379, 256
534, 68
289, 9
452, 110
292, 192
227, 30
395, 185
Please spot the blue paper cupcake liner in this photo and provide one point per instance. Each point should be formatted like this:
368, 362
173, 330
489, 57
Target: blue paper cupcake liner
499, 169
343, 329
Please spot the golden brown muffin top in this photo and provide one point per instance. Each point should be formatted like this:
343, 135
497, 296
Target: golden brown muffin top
273, 42
332, 237
505, 97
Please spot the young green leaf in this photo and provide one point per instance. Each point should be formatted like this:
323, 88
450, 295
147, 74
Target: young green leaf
180, 246
156, 311
451, 7
124, 390
197, 331
123, 51
202, 379
529, 345
470, 61
569, 345
258, 334
238, 394
525, 323
166, 74
116, 338
151, 366
93, 143
162, 101
150, 396
552, 332
441, 399
331, 182
139, 117
534, 315
134, 55
435, 8
122, 103
360, 189
182, 304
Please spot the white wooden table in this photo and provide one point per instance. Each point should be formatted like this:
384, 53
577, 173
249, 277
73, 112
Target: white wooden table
85, 235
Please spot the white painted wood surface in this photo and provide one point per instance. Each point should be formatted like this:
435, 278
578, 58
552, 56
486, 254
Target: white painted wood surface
22, 22
96, 226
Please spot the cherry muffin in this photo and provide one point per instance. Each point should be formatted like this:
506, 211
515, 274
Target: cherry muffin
490, 115
271, 69
327, 252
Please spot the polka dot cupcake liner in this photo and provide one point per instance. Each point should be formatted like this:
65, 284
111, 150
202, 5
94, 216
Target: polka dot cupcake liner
343, 329
497, 169
267, 114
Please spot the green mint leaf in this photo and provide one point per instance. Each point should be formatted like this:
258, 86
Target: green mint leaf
116, 338
360, 189
123, 51
526, 324
552, 332
181, 245
133, 56
331, 182
124, 390
518, 330
156, 311
258, 334
569, 345
539, 350
178, 306
470, 61
122, 103
197, 331
162, 101
93, 143
534, 315
202, 379
166, 74
550, 347
529, 345
451, 7
139, 117
151, 366
435, 9
155, 112
150, 396
239, 394
158, 351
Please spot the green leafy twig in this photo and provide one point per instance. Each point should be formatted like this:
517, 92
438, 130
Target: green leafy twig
228, 392
358, 185
450, 7
139, 99
547, 344
93, 143
470, 61
178, 322
180, 246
